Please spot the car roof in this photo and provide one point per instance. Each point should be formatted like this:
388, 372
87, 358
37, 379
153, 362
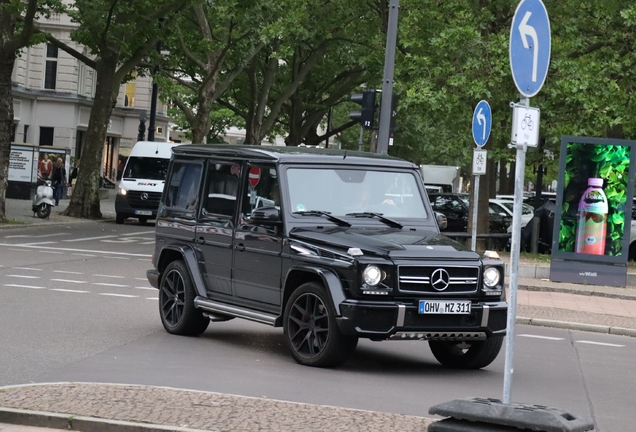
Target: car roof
289, 154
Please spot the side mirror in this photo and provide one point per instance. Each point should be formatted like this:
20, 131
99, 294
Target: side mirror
268, 215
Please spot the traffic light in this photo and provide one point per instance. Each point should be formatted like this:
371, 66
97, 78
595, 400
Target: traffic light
367, 114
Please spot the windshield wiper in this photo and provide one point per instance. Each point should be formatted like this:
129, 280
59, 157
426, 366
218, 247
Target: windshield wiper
389, 222
328, 215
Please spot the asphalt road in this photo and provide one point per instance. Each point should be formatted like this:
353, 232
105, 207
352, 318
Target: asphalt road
75, 306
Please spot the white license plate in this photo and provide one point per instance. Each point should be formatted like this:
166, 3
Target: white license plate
444, 307
143, 212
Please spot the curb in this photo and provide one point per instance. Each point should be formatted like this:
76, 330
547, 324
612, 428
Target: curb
80, 423
619, 331
613, 295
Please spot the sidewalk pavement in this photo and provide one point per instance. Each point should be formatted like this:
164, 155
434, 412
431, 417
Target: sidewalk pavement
128, 408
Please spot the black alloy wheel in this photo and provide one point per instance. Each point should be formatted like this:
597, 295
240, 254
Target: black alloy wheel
176, 302
311, 332
467, 355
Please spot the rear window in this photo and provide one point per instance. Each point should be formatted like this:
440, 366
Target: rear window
146, 168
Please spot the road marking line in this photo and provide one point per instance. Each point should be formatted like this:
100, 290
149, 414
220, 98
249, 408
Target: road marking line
68, 272
40, 236
27, 268
541, 337
69, 281
143, 279
146, 288
37, 243
118, 295
62, 250
81, 254
49, 252
89, 238
110, 285
138, 233
23, 286
112, 276
24, 276
68, 290
600, 343
17, 250
119, 258
152, 298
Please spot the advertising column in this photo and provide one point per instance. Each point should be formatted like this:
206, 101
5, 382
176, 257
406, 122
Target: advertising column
591, 237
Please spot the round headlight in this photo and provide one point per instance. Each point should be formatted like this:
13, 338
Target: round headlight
122, 191
491, 277
372, 275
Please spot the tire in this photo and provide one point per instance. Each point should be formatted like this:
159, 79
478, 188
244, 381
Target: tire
119, 219
467, 355
44, 211
176, 302
143, 220
310, 329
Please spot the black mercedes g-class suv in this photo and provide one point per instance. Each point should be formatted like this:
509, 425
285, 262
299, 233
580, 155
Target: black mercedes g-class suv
331, 245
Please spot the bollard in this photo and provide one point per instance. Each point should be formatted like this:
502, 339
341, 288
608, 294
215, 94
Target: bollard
492, 415
534, 242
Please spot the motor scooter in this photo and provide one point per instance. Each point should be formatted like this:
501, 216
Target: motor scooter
43, 200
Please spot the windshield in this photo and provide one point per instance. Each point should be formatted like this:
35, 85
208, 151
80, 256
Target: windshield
343, 192
146, 168
525, 208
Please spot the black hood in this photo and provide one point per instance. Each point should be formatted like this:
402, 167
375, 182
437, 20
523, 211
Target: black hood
392, 243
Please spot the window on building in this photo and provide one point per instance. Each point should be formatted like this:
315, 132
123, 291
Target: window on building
15, 127
24, 137
46, 136
129, 94
50, 73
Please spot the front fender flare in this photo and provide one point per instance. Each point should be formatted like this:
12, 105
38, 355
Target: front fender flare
189, 256
328, 277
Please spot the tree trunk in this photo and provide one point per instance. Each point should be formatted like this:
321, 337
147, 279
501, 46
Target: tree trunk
202, 122
6, 127
85, 199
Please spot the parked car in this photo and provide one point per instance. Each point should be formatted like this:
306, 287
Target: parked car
505, 208
330, 245
456, 209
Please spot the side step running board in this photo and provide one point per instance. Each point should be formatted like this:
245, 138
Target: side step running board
235, 311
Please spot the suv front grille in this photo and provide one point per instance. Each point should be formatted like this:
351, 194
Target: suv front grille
152, 203
440, 279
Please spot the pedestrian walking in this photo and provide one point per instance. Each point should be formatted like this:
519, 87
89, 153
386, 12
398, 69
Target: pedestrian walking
58, 177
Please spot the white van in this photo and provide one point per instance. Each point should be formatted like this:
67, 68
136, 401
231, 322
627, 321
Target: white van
141, 183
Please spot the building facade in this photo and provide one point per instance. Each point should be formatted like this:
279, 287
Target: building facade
53, 94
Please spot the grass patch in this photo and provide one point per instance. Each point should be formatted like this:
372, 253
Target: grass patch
12, 222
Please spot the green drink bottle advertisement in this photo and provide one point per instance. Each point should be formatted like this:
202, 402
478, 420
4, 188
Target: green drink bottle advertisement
594, 207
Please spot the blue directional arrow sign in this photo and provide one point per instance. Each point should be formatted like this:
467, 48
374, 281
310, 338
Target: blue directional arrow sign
530, 46
482, 122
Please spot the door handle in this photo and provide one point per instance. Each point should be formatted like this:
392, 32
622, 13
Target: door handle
240, 247
201, 240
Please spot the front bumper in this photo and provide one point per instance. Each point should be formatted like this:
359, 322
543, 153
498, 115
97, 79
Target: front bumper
401, 320
125, 209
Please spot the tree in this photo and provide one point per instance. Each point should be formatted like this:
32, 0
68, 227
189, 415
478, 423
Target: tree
324, 55
17, 31
119, 36
212, 44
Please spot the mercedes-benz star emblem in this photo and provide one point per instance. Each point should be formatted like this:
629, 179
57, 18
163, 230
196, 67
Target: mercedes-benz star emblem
440, 279
144, 196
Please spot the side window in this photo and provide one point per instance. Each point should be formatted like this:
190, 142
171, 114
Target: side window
261, 190
221, 189
183, 189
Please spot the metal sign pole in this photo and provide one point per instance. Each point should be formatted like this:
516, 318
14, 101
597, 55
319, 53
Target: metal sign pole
473, 236
387, 82
514, 264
